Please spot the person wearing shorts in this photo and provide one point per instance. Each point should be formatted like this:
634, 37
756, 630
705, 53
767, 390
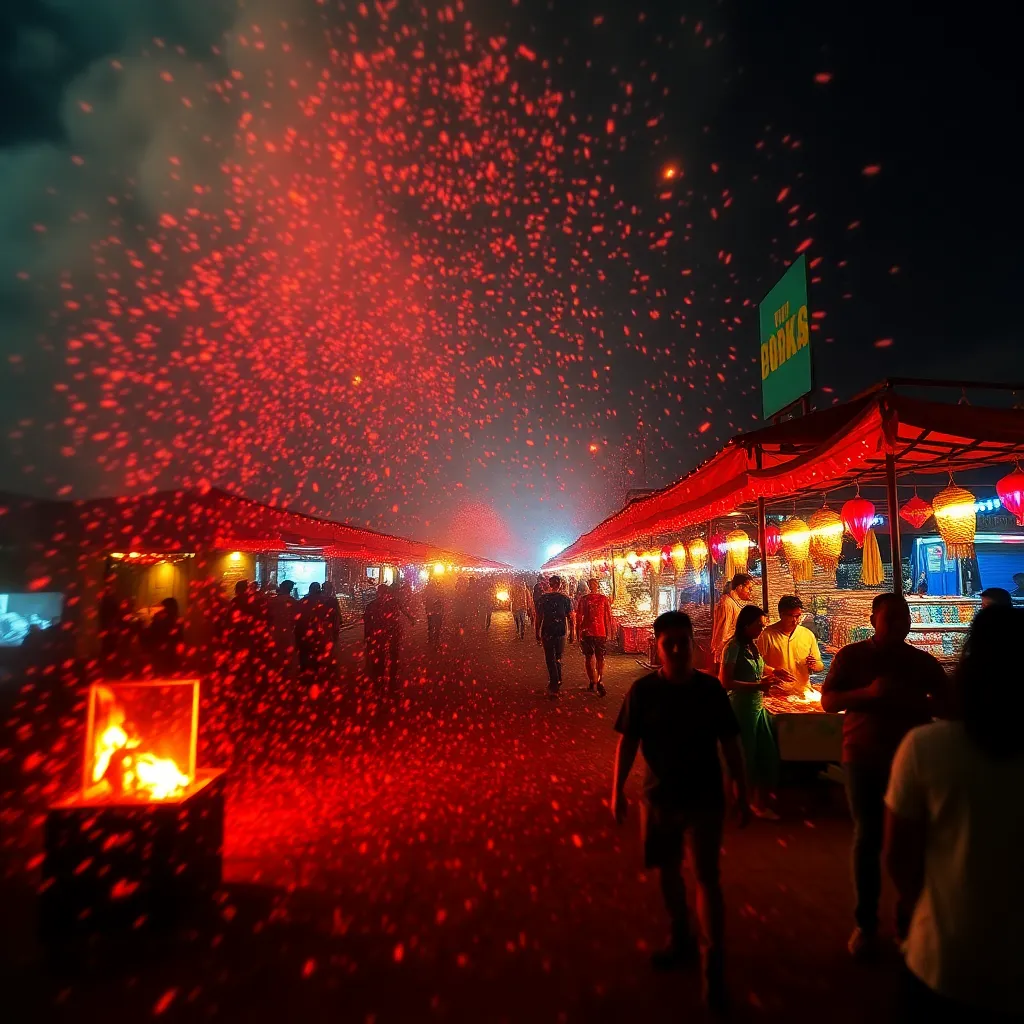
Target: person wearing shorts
594, 626
677, 717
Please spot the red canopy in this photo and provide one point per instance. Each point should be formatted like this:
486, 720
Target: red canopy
170, 521
822, 451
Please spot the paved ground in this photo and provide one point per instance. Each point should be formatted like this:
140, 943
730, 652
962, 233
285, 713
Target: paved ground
445, 852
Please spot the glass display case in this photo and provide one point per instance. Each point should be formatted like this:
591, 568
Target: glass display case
140, 742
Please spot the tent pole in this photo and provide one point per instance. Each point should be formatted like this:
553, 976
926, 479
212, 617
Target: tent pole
762, 541
711, 576
894, 523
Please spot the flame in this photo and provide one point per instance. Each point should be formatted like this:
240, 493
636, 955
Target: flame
502, 595
121, 769
809, 696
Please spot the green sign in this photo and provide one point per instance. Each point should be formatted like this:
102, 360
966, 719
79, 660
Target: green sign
785, 342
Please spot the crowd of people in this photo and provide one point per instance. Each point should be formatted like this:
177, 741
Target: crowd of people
933, 770
933, 765
262, 624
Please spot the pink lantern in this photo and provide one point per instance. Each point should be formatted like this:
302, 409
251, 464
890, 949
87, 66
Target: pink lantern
718, 545
858, 515
772, 538
1011, 493
666, 555
916, 512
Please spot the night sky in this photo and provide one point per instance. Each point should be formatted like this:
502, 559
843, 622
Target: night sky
422, 267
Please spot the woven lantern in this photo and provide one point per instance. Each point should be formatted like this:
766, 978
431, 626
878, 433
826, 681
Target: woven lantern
826, 545
858, 515
698, 555
956, 520
916, 512
717, 544
796, 540
1011, 493
772, 539
737, 549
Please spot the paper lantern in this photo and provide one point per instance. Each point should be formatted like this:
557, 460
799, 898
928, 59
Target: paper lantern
717, 544
698, 555
666, 555
796, 540
956, 520
826, 528
1011, 493
772, 539
916, 512
737, 549
678, 554
858, 515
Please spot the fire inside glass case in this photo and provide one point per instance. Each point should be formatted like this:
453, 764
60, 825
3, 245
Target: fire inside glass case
140, 743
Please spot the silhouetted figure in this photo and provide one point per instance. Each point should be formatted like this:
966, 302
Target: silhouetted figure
677, 717
954, 828
886, 687
164, 639
554, 625
996, 597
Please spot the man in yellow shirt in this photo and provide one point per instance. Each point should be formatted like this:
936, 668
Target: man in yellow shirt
727, 612
789, 648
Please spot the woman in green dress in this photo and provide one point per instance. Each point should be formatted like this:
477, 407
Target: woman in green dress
745, 677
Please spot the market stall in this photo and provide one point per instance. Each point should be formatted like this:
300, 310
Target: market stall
882, 493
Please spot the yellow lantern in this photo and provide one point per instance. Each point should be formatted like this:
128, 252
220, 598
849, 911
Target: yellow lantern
796, 539
826, 545
957, 520
698, 555
679, 557
737, 548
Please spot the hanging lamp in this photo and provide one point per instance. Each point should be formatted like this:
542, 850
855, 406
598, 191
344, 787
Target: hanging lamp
956, 519
1011, 493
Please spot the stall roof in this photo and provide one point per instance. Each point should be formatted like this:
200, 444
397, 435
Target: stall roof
822, 451
170, 521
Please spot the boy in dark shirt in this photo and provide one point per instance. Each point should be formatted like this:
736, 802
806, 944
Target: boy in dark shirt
677, 717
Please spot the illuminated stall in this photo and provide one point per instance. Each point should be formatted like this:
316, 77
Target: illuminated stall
885, 492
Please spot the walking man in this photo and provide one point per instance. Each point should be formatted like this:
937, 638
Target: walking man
886, 687
594, 626
677, 717
554, 622
539, 590
433, 601
519, 601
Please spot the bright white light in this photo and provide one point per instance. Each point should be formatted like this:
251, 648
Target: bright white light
552, 549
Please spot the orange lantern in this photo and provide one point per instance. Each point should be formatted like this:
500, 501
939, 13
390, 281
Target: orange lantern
737, 549
678, 554
957, 520
826, 544
698, 554
1011, 493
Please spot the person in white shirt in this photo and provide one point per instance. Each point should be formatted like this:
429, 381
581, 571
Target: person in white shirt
789, 648
727, 611
954, 836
